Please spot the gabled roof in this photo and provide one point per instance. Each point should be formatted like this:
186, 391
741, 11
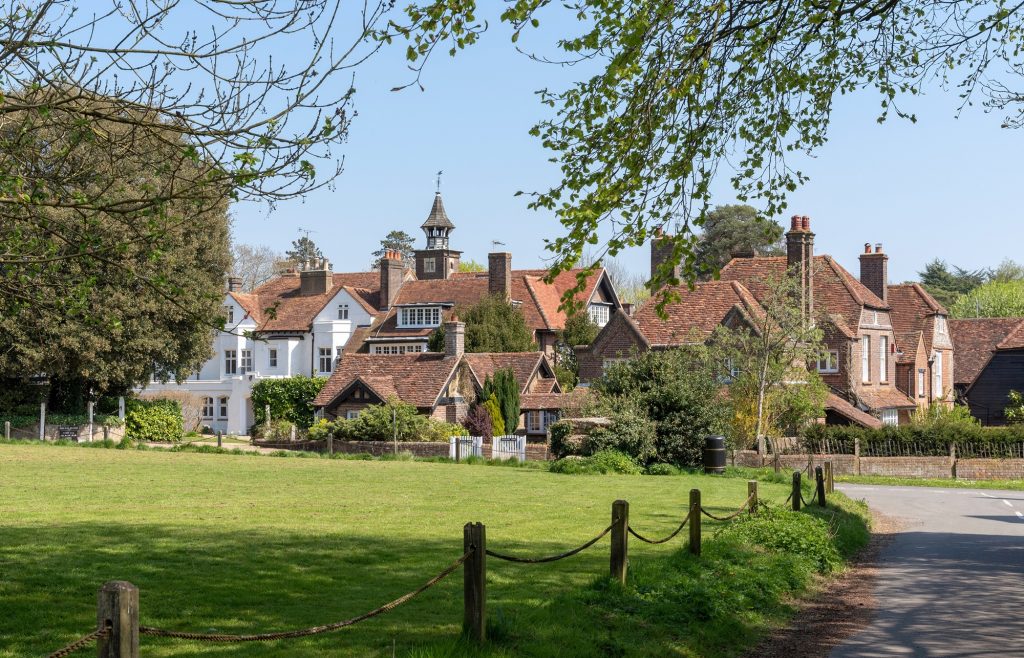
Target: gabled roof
277, 305
840, 406
417, 379
438, 217
524, 365
552, 401
884, 398
909, 344
696, 314
913, 311
975, 340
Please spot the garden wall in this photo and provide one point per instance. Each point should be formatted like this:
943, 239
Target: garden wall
534, 451
52, 432
908, 467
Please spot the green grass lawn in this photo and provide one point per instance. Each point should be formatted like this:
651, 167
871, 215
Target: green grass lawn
241, 544
1009, 485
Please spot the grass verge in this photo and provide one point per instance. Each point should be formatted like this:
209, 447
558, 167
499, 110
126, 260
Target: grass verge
217, 543
1010, 485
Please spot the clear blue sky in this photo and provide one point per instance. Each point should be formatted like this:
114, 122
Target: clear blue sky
944, 187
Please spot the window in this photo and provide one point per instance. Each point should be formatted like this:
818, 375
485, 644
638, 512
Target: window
398, 349
207, 408
535, 421
609, 363
920, 383
939, 392
429, 265
865, 359
883, 358
272, 357
940, 325
230, 362
599, 314
326, 359
829, 361
420, 316
343, 311
550, 417
246, 361
352, 413
231, 314
890, 417
223, 411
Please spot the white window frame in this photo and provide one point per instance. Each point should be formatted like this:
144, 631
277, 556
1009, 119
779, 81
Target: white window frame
937, 366
231, 314
599, 314
535, 421
343, 311
353, 413
890, 416
941, 327
230, 362
865, 359
922, 380
883, 359
429, 265
829, 362
326, 355
419, 316
609, 362
222, 408
208, 408
246, 361
272, 357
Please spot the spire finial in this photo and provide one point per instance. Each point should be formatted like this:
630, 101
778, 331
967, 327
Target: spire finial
439, 181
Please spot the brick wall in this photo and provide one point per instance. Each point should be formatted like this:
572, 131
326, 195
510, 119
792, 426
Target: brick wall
905, 467
534, 451
990, 469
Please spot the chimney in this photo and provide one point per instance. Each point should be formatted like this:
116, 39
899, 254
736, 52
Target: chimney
874, 271
392, 276
454, 337
315, 278
499, 274
661, 251
627, 308
234, 284
800, 261
744, 252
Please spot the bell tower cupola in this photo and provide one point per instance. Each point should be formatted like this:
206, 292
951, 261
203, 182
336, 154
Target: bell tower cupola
437, 261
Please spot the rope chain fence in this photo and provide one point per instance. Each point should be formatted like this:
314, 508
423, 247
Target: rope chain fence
314, 630
551, 558
81, 642
730, 517
664, 540
813, 499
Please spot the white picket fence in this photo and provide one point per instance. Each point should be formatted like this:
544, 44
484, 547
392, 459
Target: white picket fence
502, 447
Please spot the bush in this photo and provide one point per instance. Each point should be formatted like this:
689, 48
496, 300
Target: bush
630, 433
560, 432
290, 399
663, 469
779, 529
601, 463
191, 406
490, 405
320, 430
153, 420
378, 422
478, 422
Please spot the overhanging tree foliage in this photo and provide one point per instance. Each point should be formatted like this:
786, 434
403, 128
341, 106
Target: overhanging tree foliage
686, 93
399, 241
492, 325
735, 229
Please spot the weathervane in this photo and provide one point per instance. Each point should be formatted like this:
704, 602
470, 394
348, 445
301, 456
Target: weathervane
495, 243
439, 181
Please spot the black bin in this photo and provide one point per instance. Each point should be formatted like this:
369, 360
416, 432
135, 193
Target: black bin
714, 455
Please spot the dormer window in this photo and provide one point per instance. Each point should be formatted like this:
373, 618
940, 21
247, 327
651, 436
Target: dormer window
420, 316
599, 314
940, 325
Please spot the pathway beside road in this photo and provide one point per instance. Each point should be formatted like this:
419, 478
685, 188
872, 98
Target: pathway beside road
951, 581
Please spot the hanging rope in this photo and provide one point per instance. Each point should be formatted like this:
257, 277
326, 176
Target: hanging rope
660, 541
551, 558
81, 642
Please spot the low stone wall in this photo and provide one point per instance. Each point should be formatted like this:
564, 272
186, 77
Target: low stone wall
904, 467
534, 451
52, 432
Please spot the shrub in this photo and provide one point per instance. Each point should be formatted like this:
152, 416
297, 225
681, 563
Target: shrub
153, 420
506, 390
320, 430
792, 532
926, 439
478, 422
440, 432
190, 403
630, 433
290, 399
1015, 409
560, 432
662, 469
490, 405
606, 461
383, 422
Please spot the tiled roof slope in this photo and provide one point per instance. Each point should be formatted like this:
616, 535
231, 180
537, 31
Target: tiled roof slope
885, 398
523, 365
696, 314
975, 339
417, 379
840, 406
912, 312
835, 290
278, 306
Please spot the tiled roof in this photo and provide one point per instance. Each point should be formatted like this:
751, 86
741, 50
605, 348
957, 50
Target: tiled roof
417, 379
278, 305
438, 217
552, 401
975, 339
885, 398
1015, 341
913, 311
850, 412
696, 314
908, 344
523, 365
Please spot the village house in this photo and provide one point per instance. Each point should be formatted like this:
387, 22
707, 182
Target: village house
990, 364
442, 385
860, 319
301, 322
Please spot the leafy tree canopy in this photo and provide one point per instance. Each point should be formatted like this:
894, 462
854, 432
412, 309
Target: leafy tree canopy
687, 93
471, 265
732, 229
399, 241
995, 299
303, 250
947, 285
492, 325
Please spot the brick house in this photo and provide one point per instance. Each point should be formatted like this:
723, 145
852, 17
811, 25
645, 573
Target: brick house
860, 361
990, 364
924, 360
442, 385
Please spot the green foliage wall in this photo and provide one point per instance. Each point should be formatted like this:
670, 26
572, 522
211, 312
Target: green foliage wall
153, 420
996, 299
290, 399
506, 389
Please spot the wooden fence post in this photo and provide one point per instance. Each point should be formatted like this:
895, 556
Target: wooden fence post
219, 436
7, 430
856, 456
118, 608
752, 495
819, 482
795, 496
42, 421
952, 460
778, 465
829, 482
695, 521
620, 538
330, 444
474, 596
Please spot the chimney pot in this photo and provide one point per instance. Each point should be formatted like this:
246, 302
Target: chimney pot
867, 247
878, 248
796, 223
805, 223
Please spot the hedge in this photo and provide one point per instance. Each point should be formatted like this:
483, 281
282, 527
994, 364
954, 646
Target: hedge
290, 399
153, 420
924, 440
19, 421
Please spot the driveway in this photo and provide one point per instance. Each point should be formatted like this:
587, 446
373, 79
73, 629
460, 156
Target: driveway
951, 582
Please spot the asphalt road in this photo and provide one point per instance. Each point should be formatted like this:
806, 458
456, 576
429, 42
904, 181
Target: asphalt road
951, 582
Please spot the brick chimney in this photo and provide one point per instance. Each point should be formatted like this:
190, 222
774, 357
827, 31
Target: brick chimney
800, 261
315, 278
874, 271
234, 284
499, 274
454, 337
392, 276
661, 251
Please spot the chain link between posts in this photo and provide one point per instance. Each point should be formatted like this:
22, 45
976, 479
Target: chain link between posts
81, 642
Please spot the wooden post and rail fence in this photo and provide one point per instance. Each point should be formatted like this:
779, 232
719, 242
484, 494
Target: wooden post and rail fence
118, 627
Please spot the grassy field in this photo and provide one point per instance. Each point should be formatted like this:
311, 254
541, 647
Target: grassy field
238, 544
